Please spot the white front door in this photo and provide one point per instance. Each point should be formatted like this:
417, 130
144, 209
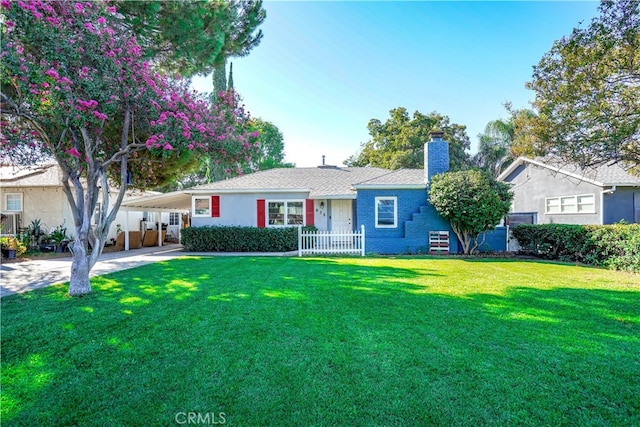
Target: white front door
341, 213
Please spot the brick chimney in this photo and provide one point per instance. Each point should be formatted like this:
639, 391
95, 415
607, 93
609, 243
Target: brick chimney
436, 155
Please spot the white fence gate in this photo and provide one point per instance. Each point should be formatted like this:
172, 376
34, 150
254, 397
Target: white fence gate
330, 242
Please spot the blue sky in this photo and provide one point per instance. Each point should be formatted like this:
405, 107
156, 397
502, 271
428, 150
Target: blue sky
325, 68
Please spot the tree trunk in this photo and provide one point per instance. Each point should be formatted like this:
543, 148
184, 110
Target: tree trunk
79, 283
464, 238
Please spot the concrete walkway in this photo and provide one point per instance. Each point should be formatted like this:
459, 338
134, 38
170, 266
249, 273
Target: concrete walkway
18, 277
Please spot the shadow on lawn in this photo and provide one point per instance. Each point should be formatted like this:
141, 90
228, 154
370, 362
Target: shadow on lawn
256, 334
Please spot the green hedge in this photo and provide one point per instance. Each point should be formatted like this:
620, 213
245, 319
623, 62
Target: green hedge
239, 239
615, 246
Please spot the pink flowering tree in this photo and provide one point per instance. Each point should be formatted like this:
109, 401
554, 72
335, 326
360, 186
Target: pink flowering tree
75, 89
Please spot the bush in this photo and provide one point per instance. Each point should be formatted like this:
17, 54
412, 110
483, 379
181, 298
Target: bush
239, 239
614, 246
12, 243
617, 246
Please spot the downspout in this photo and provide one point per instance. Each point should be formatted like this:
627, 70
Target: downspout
602, 193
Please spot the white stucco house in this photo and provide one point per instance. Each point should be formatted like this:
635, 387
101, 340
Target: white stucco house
35, 193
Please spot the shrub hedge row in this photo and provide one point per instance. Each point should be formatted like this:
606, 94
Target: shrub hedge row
615, 246
239, 239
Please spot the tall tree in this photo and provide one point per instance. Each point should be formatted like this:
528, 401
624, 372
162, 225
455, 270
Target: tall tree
186, 37
472, 201
493, 153
587, 90
76, 90
239, 38
399, 141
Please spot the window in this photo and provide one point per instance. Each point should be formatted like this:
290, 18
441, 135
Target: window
174, 218
201, 206
386, 212
13, 202
584, 203
285, 212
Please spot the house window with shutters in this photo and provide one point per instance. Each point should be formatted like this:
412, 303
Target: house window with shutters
285, 213
206, 206
201, 206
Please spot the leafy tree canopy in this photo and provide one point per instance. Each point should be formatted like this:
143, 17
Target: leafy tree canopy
472, 201
271, 153
75, 88
494, 149
587, 91
504, 140
399, 141
193, 37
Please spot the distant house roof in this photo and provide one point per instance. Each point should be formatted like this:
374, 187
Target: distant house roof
320, 182
46, 175
603, 176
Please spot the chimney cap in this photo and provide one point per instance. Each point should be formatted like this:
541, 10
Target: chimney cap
436, 135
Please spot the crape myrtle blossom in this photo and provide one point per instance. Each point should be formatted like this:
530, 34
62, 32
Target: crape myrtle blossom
164, 109
76, 90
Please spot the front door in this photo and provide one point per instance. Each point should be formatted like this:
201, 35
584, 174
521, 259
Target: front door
341, 214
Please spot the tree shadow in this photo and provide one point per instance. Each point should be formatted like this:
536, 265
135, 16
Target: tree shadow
265, 337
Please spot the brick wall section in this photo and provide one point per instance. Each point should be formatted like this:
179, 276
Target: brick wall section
495, 240
416, 217
436, 158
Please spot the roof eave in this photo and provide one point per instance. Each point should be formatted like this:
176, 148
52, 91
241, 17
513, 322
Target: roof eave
196, 191
390, 186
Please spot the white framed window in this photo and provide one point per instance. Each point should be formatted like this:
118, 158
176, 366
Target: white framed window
13, 202
580, 204
201, 205
386, 212
174, 218
281, 213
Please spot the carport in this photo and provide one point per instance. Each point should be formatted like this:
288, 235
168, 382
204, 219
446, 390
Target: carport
176, 201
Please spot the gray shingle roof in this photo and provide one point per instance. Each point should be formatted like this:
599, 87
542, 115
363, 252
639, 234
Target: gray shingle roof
320, 182
606, 175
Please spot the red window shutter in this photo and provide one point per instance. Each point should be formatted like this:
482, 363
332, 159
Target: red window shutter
261, 214
215, 206
309, 210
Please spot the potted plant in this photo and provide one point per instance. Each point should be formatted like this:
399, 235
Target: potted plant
11, 247
59, 236
35, 232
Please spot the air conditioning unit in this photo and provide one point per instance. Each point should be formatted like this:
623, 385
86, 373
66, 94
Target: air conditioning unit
11, 222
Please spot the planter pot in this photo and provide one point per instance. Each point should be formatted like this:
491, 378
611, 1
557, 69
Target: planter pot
9, 253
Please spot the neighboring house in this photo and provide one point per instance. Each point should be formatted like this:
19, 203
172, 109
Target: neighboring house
391, 204
35, 193
548, 192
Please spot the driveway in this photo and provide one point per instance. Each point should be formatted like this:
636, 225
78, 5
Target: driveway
17, 277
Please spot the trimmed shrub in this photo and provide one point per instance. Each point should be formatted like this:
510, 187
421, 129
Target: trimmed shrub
239, 239
615, 246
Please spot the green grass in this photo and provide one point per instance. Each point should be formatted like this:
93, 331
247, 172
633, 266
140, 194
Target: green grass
328, 341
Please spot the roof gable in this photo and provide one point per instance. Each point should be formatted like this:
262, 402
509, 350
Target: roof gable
603, 176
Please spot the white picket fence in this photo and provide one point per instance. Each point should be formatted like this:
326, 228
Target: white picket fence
330, 242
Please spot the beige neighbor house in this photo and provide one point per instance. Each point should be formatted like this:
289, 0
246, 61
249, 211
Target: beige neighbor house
35, 193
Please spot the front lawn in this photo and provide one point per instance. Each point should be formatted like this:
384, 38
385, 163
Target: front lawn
327, 341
